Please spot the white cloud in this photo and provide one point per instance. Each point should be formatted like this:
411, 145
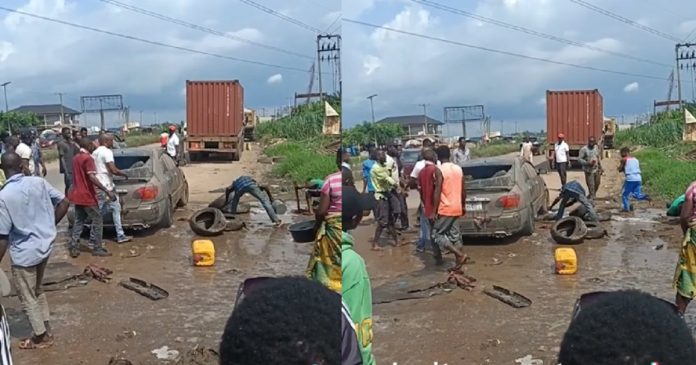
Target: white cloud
275, 79
406, 70
631, 88
43, 57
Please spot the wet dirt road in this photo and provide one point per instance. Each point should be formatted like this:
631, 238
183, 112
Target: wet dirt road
461, 327
97, 321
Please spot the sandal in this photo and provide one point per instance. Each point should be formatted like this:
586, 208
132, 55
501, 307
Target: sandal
32, 344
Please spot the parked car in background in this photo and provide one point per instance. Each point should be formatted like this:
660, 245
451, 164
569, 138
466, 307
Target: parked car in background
48, 138
409, 157
504, 196
154, 189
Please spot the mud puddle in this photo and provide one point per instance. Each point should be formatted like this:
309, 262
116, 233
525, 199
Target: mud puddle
470, 327
90, 322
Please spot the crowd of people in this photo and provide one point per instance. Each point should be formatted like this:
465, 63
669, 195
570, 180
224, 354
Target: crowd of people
31, 208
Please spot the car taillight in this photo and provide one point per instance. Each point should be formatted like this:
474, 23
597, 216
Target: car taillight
146, 193
510, 201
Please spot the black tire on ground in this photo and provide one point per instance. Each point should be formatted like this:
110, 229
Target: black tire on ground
569, 231
208, 222
185, 198
594, 231
168, 214
528, 223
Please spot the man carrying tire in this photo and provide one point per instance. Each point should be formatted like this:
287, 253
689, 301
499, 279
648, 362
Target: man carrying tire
571, 193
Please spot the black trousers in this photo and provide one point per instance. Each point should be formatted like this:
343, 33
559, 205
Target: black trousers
562, 168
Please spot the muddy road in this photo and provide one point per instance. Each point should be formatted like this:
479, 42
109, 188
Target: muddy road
461, 327
98, 321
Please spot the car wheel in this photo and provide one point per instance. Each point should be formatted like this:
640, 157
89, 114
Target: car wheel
569, 231
167, 215
528, 223
185, 197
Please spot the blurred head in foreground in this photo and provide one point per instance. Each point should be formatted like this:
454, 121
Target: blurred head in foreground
628, 328
290, 321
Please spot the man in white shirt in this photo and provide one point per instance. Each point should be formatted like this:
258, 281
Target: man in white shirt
526, 151
173, 144
561, 152
461, 154
104, 160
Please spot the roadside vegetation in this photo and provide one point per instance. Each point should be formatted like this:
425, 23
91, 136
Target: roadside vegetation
494, 149
368, 133
667, 163
302, 152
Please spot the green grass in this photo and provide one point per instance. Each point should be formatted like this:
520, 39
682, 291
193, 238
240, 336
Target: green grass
663, 133
494, 149
302, 161
666, 173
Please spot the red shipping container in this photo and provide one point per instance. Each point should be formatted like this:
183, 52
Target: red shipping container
214, 108
579, 114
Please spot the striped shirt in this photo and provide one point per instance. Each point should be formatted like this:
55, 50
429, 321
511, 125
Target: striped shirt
243, 182
333, 187
5, 339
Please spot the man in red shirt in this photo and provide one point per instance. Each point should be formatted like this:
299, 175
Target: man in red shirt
426, 181
84, 196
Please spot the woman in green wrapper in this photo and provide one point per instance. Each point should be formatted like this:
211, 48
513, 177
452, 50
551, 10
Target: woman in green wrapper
325, 261
685, 276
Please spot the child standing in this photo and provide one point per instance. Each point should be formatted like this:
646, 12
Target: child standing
634, 181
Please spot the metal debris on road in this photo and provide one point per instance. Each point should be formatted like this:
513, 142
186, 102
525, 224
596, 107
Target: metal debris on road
98, 273
658, 247
458, 278
145, 289
509, 297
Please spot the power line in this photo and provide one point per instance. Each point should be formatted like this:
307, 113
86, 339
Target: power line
155, 43
333, 23
199, 27
618, 17
507, 53
281, 16
533, 32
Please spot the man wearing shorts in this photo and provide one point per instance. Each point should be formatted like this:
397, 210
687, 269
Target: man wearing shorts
449, 198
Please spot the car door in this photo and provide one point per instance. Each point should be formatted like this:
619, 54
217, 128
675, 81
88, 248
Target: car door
535, 187
171, 178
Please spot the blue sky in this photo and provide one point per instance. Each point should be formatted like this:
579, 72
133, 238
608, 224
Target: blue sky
41, 58
405, 71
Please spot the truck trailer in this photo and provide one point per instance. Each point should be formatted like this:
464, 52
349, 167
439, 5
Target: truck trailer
215, 118
579, 115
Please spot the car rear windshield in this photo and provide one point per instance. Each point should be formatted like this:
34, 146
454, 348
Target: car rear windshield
488, 176
135, 166
409, 156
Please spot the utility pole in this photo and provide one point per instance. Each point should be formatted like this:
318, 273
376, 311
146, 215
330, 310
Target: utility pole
372, 107
7, 109
501, 128
684, 52
515, 127
328, 50
425, 117
62, 113
141, 118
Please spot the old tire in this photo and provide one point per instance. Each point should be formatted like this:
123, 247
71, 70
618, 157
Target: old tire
168, 214
208, 222
594, 231
233, 224
528, 223
569, 231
